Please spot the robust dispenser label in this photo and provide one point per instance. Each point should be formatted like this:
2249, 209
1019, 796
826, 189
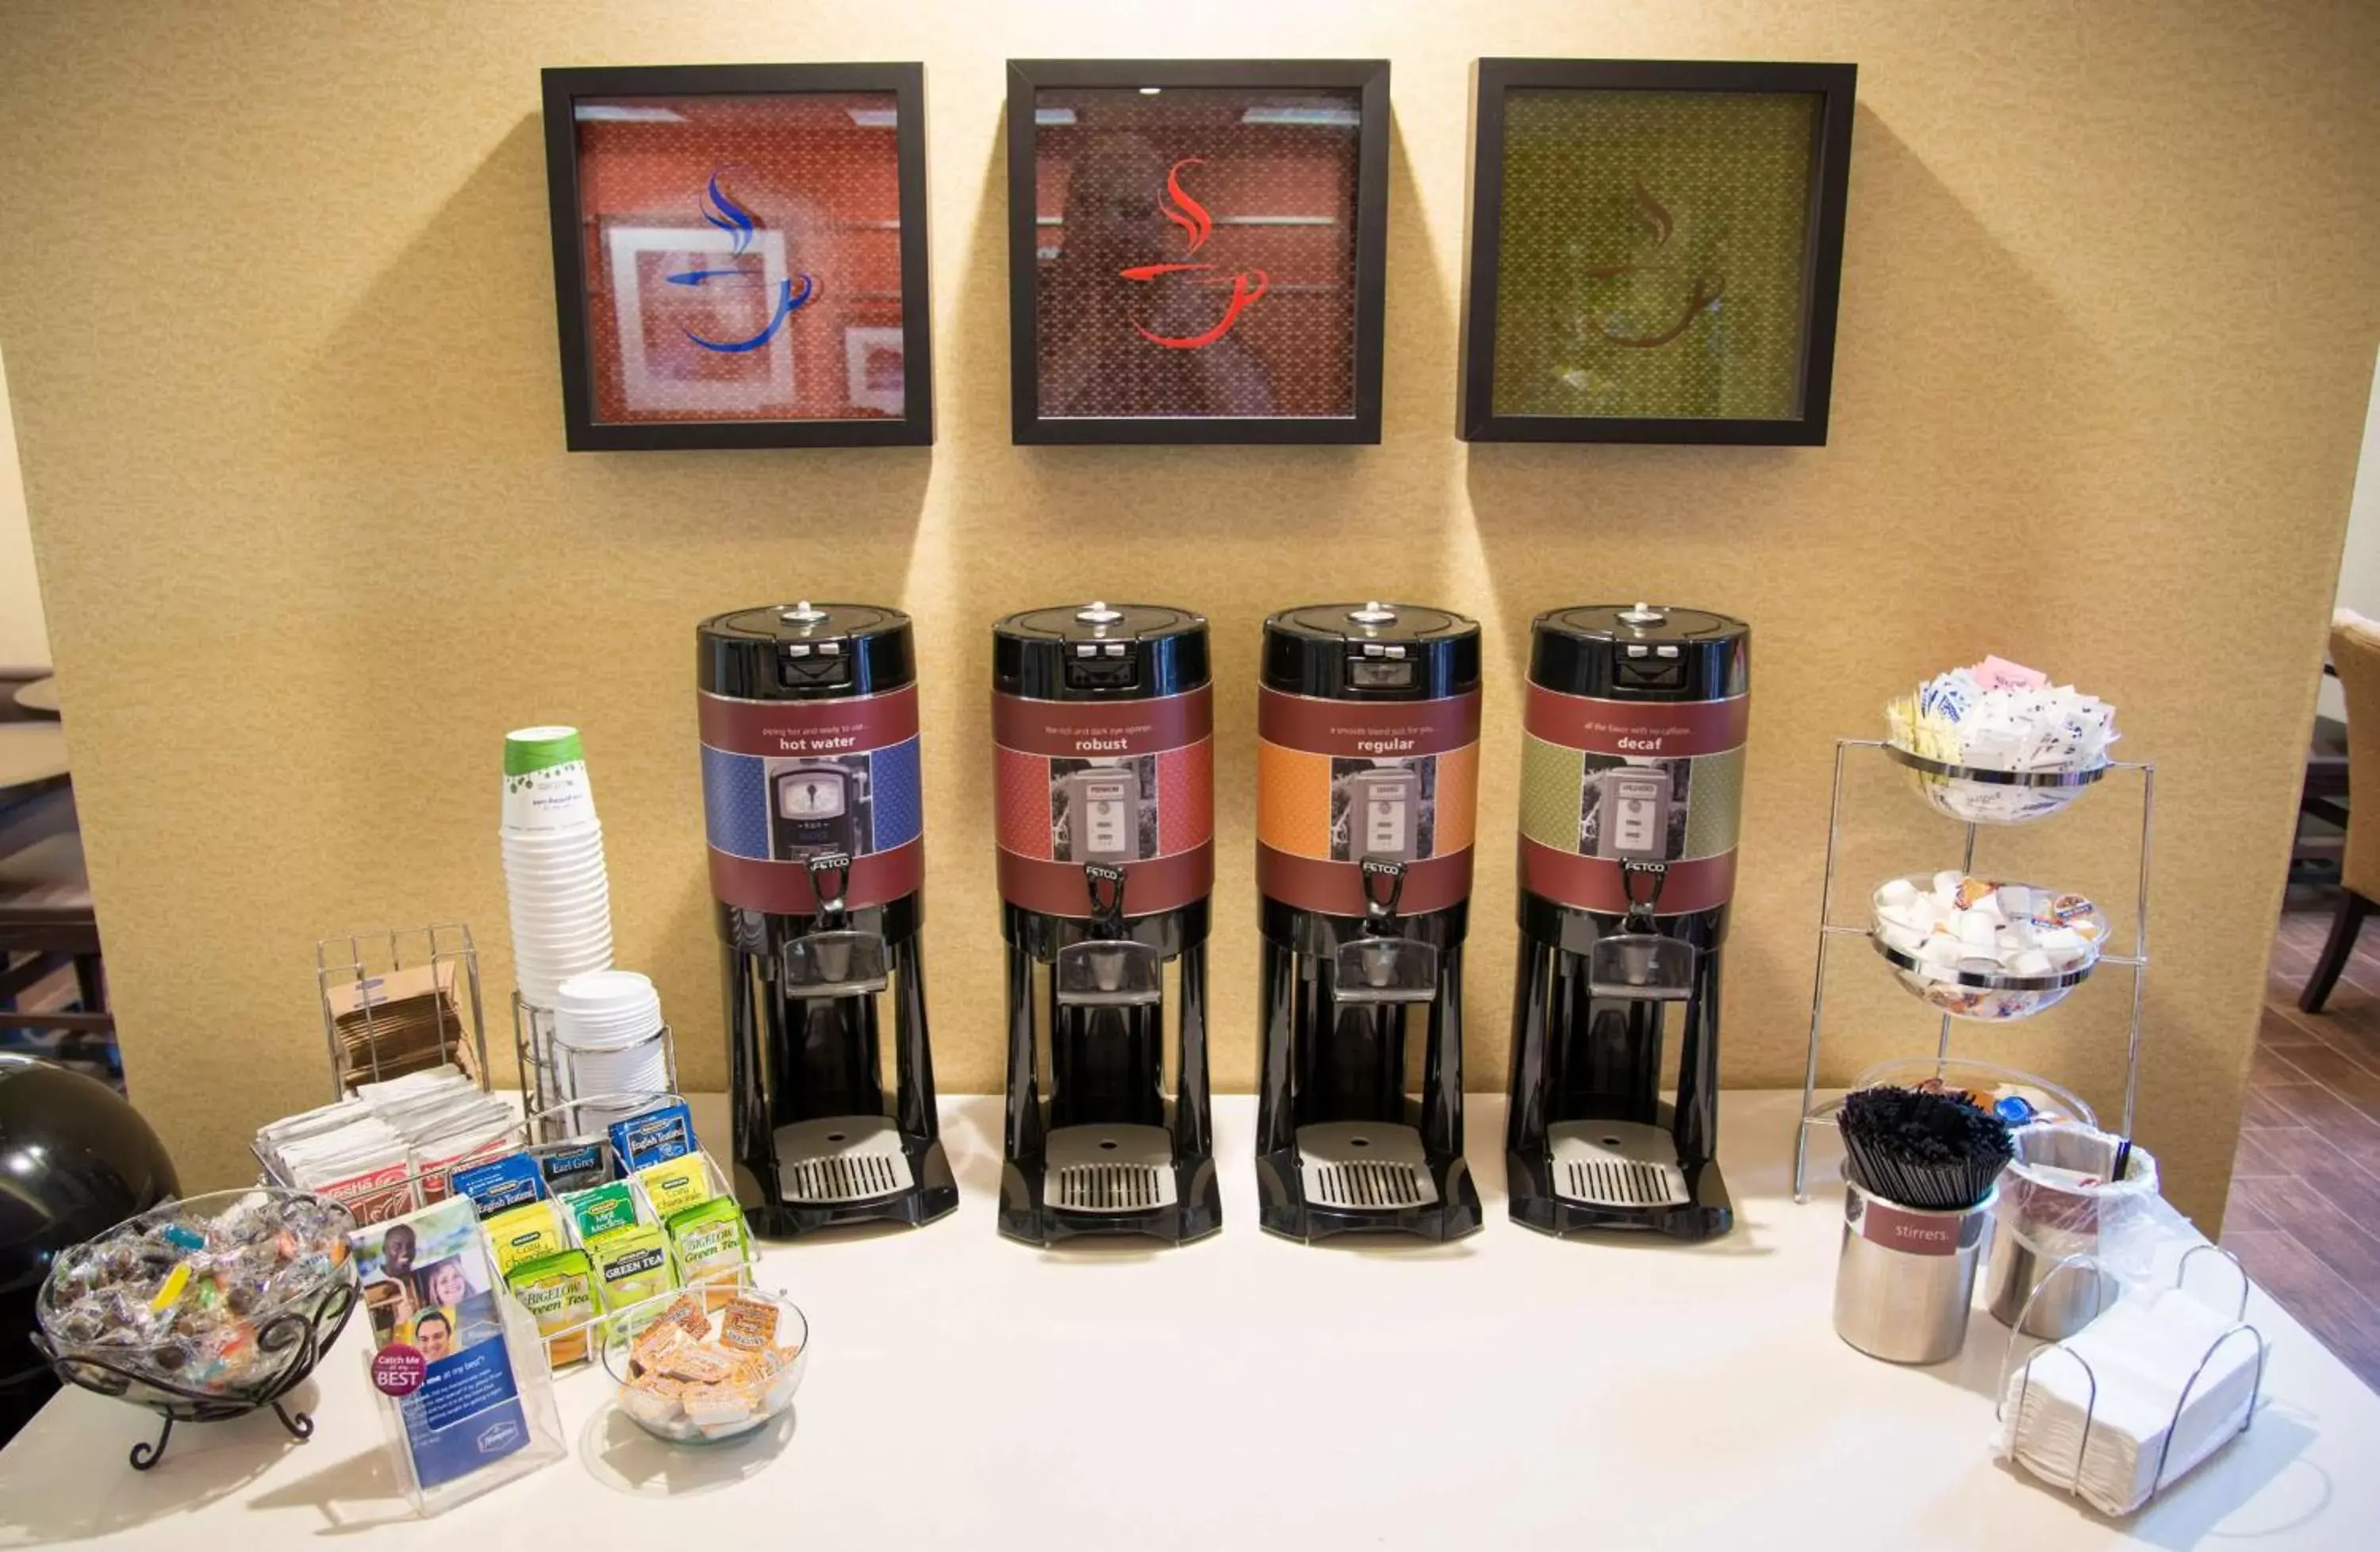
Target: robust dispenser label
1126, 782
1606, 783
1339, 781
785, 781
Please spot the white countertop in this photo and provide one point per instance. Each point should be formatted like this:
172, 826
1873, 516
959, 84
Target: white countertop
1509, 1391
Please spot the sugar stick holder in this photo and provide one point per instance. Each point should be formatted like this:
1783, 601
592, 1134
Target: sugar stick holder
347, 970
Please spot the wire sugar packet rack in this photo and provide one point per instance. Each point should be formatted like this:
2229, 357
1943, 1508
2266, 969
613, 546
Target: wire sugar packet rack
399, 1001
2010, 1411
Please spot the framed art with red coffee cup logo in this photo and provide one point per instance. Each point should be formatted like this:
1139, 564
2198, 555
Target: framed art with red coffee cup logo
1197, 250
739, 255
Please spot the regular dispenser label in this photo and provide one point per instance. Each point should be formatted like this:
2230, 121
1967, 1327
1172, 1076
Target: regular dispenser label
1607, 783
785, 780
1126, 782
1339, 781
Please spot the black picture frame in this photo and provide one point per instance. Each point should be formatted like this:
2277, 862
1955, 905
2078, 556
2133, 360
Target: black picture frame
1493, 80
583, 432
1369, 77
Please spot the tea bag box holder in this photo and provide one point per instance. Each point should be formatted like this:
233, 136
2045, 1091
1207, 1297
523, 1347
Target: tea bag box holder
1102, 725
1621, 938
809, 756
1363, 904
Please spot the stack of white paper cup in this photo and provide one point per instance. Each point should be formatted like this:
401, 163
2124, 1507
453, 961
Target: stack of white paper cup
560, 895
607, 1035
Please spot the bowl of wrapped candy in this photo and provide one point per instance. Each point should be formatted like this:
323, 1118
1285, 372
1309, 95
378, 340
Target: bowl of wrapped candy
697, 1375
1996, 743
1981, 948
202, 1308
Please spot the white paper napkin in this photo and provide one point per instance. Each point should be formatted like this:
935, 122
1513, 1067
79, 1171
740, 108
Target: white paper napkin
2142, 1353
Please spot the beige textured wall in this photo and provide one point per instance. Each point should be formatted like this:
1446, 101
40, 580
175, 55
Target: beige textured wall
276, 298
24, 636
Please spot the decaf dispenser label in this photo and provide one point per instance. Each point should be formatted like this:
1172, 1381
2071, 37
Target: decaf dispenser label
1339, 781
1126, 782
785, 781
1606, 782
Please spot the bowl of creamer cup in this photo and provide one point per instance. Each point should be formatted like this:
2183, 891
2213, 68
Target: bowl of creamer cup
1985, 948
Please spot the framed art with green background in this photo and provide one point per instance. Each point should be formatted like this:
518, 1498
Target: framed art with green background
1656, 250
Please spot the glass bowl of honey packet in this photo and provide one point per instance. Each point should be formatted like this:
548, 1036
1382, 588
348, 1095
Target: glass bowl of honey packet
697, 1376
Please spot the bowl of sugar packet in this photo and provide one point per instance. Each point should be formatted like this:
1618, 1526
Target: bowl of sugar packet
1996, 743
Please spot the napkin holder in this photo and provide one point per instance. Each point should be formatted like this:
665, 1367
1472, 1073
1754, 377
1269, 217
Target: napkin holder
2088, 1267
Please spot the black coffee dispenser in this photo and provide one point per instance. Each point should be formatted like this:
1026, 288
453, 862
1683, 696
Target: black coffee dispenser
1632, 781
1367, 768
1102, 720
812, 803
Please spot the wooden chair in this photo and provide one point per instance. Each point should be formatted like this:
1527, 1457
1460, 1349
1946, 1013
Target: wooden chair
2355, 653
46, 918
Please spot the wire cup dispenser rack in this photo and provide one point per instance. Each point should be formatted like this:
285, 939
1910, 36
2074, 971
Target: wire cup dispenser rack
366, 977
1976, 797
2084, 1263
547, 1088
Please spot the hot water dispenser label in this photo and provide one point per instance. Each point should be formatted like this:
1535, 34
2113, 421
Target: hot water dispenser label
1126, 782
1606, 783
1339, 781
785, 780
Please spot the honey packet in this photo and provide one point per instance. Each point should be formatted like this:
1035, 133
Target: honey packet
749, 1326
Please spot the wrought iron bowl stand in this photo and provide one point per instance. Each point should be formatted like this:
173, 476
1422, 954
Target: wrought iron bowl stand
288, 1345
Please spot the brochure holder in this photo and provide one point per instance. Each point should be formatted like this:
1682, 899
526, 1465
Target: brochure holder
404, 1427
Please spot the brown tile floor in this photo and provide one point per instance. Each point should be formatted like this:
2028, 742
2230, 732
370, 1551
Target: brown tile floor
2304, 1213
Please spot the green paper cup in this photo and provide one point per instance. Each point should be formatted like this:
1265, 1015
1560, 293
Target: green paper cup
545, 780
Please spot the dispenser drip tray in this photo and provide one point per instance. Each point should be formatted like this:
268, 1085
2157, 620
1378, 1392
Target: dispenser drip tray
1616, 1164
1109, 1169
1363, 1166
1385, 970
836, 963
1640, 967
841, 1159
1111, 972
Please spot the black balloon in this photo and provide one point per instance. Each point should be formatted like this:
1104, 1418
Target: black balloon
75, 1160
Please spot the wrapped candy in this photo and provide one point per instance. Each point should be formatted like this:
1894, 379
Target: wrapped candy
197, 1296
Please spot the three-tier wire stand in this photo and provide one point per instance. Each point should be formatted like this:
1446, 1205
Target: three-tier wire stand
1978, 797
